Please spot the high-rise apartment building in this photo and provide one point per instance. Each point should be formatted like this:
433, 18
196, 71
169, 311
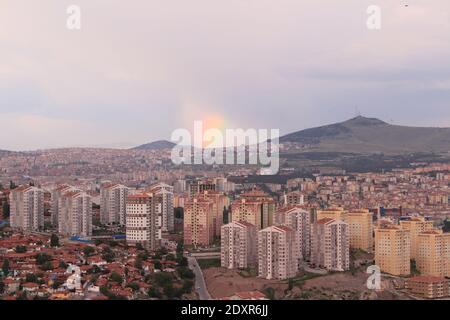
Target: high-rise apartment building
141, 216
298, 220
330, 244
277, 253
393, 249
75, 214
198, 222
433, 253
113, 199
361, 229
54, 202
27, 208
255, 207
166, 219
220, 203
238, 245
416, 225
332, 213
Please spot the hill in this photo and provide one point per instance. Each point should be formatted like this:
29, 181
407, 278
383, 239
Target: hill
156, 145
370, 135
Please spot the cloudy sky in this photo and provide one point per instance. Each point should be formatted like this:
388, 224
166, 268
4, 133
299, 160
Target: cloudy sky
139, 69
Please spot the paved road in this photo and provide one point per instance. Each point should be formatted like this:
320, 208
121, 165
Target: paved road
200, 285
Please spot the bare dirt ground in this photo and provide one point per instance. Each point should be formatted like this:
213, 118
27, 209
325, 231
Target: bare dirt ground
222, 282
335, 286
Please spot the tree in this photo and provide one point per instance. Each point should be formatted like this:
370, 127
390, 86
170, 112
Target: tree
12, 185
116, 277
5, 267
139, 246
63, 265
47, 266
180, 247
187, 286
31, 277
138, 263
20, 249
2, 287
134, 286
171, 257
88, 251
185, 273
157, 264
54, 240
154, 293
163, 278
42, 258
6, 209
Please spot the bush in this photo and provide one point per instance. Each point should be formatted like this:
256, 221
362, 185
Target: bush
42, 258
20, 249
185, 273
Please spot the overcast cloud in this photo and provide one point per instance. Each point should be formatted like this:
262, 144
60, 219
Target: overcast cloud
139, 69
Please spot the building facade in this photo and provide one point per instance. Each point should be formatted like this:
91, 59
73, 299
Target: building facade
113, 199
27, 208
330, 244
277, 253
238, 245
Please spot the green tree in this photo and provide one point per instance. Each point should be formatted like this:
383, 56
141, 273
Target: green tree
88, 251
138, 263
5, 267
63, 265
185, 273
163, 278
2, 287
12, 185
31, 277
6, 209
187, 286
157, 264
46, 266
20, 249
154, 293
134, 286
42, 258
116, 277
180, 247
54, 240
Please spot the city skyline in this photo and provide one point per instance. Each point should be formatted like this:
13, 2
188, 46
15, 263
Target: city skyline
135, 74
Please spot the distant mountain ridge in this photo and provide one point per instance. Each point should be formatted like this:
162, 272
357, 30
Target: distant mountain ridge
156, 145
371, 135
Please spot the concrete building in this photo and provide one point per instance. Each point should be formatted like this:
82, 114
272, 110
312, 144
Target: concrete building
277, 253
393, 249
56, 194
298, 220
220, 202
330, 244
113, 199
166, 220
428, 287
361, 229
416, 225
75, 214
238, 245
433, 253
332, 213
27, 208
141, 215
198, 222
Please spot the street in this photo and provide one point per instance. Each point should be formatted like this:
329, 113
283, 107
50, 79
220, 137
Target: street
200, 285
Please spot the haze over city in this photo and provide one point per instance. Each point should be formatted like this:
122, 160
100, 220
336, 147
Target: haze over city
138, 70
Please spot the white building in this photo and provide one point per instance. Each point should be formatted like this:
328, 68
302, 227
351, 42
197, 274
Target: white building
166, 220
56, 193
238, 245
75, 214
141, 216
27, 208
277, 253
113, 203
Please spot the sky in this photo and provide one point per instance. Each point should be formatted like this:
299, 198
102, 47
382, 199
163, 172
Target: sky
139, 69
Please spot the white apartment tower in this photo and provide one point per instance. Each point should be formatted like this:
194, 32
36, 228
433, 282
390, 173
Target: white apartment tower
238, 245
113, 199
330, 244
75, 214
27, 208
141, 216
298, 220
277, 253
54, 203
166, 219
